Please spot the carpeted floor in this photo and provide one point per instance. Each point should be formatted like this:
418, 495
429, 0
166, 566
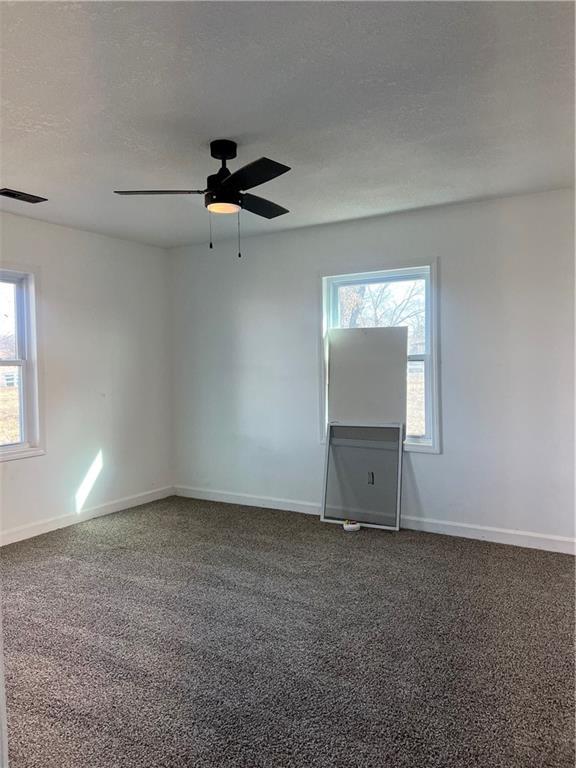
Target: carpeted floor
188, 634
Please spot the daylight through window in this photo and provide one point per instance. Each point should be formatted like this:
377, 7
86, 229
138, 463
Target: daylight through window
18, 384
391, 298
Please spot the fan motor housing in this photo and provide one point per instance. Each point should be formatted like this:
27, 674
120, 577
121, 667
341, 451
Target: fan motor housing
214, 180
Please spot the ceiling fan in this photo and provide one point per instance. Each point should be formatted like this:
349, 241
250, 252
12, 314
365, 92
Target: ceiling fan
225, 190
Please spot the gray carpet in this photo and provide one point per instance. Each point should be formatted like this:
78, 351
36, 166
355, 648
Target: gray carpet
192, 634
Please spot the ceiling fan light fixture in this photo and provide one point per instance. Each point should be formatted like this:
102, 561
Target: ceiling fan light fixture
223, 207
219, 201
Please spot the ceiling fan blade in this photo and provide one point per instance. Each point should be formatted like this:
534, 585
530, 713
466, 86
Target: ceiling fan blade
262, 207
25, 197
159, 191
253, 174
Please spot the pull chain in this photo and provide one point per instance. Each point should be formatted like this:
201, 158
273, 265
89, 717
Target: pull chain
210, 220
239, 254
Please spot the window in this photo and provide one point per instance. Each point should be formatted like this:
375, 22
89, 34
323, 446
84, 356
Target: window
391, 298
18, 370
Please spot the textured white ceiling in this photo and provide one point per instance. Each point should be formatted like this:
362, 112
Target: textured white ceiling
376, 106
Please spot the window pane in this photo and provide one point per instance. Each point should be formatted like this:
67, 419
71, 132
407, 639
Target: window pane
10, 405
8, 350
416, 400
387, 304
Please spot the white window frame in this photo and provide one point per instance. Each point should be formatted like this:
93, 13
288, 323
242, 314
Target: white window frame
27, 362
430, 443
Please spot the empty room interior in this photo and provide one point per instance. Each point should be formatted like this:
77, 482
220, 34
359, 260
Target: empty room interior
287, 385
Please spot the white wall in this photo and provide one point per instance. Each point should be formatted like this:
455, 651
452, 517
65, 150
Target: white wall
103, 308
243, 363
247, 365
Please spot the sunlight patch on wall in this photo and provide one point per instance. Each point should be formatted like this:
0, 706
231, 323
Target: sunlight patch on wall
88, 483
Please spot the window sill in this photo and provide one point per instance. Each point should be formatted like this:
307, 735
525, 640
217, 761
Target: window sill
417, 447
21, 452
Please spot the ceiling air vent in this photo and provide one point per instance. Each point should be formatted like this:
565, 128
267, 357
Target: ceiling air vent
23, 196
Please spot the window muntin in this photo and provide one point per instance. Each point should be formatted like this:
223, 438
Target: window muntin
18, 377
391, 298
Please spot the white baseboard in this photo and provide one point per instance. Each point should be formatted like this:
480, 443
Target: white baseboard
564, 544
245, 500
117, 505
531, 539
